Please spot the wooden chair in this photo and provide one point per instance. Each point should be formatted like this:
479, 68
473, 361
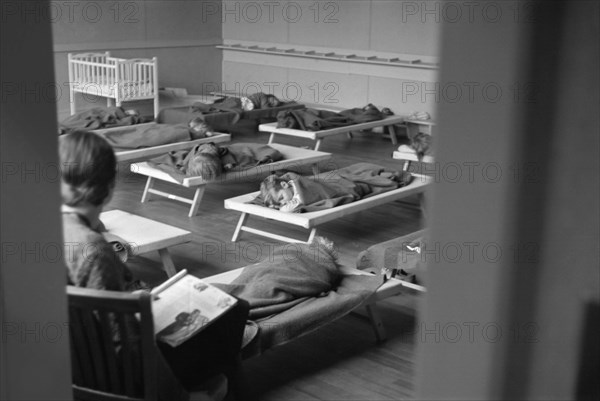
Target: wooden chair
133, 370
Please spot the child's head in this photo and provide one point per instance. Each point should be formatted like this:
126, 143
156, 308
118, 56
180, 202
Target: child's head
88, 169
285, 119
272, 101
275, 191
199, 128
205, 162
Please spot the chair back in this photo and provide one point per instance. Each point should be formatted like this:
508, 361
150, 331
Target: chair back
113, 350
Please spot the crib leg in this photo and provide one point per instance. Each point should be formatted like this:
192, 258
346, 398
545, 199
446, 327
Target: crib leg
239, 226
376, 322
156, 106
311, 236
271, 137
146, 194
196, 201
318, 144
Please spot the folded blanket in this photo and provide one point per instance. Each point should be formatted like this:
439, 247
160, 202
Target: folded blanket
317, 120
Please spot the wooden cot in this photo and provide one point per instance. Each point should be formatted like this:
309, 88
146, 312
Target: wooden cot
389, 288
311, 220
293, 158
318, 136
152, 151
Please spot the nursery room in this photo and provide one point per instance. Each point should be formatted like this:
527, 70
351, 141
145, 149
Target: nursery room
300, 200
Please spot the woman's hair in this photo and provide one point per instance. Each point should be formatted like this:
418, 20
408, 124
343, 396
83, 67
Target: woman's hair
269, 190
88, 168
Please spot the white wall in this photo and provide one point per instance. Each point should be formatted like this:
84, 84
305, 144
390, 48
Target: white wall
365, 27
181, 34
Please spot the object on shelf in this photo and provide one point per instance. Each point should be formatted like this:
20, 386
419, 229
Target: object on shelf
395, 61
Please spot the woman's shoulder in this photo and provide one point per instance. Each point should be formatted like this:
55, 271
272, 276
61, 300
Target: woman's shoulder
77, 230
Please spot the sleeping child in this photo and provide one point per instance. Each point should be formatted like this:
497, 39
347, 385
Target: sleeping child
199, 128
294, 193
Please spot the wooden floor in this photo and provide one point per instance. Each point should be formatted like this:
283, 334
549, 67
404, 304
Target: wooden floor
339, 362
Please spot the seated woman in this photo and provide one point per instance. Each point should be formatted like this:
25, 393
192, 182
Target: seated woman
88, 176
294, 193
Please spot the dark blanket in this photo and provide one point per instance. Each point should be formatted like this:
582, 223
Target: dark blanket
292, 274
264, 106
317, 120
223, 115
98, 117
219, 121
312, 313
241, 156
345, 185
142, 136
297, 290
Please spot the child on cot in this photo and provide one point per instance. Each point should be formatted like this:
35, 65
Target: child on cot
294, 193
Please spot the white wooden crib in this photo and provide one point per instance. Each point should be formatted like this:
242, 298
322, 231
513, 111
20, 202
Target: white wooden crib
123, 80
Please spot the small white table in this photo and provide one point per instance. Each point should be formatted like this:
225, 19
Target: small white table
414, 126
145, 235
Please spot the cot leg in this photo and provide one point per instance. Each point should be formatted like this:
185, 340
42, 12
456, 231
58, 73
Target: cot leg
349, 134
311, 236
318, 144
412, 130
196, 201
147, 188
376, 322
168, 264
271, 137
72, 98
392, 132
239, 226
315, 168
406, 165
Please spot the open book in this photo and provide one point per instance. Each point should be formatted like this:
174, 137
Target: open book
184, 305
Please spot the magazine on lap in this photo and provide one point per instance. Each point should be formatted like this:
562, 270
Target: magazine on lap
184, 305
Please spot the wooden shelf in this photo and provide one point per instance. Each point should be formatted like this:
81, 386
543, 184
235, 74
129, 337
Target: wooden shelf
313, 54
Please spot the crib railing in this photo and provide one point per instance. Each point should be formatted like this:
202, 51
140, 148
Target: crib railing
121, 79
